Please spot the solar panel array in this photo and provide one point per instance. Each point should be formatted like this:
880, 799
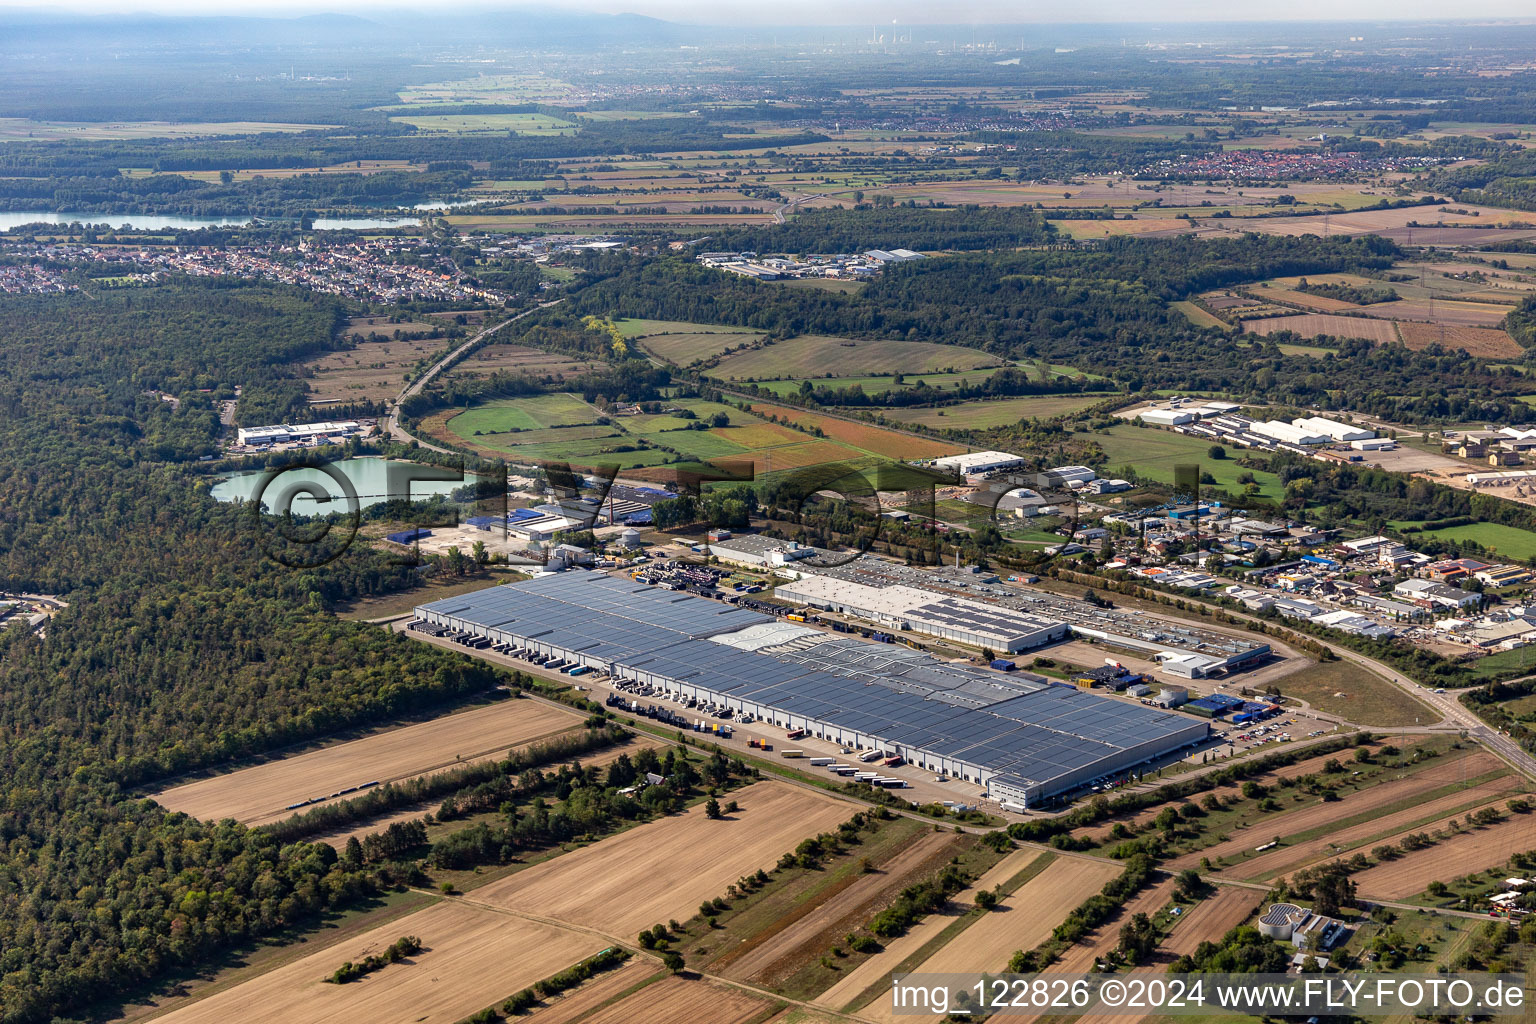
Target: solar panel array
1039, 734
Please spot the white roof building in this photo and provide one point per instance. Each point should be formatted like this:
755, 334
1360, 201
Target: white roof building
979, 462
1334, 429
1166, 417
1289, 432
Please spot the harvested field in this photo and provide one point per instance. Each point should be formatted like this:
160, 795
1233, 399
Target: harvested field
1310, 325
774, 955
877, 967
371, 372
572, 1006
686, 349
1478, 341
1024, 921
1211, 918
1321, 303
816, 356
473, 958
867, 437
1100, 832
665, 869
522, 359
601, 759
261, 794
1471, 851
1289, 858
1106, 938
676, 999
1450, 313
1379, 796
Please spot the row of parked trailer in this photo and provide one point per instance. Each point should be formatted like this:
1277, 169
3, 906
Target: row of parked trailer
848, 771
474, 641
668, 716
339, 793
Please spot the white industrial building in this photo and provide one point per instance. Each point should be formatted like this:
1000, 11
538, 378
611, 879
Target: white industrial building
1166, 417
298, 431
972, 463
1334, 429
760, 552
1289, 432
919, 611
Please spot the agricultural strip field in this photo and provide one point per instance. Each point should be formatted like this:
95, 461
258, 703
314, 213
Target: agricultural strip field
260, 795
601, 759
1197, 316
985, 414
1100, 832
1285, 859
473, 957
876, 384
1024, 920
1469, 852
866, 437
677, 999
774, 953
1383, 798
1450, 313
1211, 918
1478, 341
876, 969
1310, 325
534, 362
595, 992
814, 355
664, 869
1106, 938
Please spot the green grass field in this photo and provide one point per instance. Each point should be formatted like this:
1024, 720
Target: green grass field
1154, 454
1509, 541
986, 413
1368, 699
531, 413
810, 355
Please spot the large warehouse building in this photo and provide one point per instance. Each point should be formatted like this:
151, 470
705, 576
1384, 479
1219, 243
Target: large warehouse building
922, 611
1021, 737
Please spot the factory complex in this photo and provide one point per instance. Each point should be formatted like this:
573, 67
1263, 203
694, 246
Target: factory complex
973, 606
1023, 738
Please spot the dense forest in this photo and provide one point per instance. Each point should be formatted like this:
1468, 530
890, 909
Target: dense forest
182, 645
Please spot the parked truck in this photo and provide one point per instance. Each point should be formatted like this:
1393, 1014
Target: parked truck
791, 753
869, 755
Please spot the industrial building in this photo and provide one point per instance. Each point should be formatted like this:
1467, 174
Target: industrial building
298, 431
1334, 429
1184, 648
974, 463
760, 552
921, 611
1022, 737
1290, 433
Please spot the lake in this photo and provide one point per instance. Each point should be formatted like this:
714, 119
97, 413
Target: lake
163, 222
373, 480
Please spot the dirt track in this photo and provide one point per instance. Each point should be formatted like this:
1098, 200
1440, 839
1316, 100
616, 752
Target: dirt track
474, 957
260, 794
664, 869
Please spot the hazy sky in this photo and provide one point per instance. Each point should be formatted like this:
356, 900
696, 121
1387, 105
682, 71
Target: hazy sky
867, 12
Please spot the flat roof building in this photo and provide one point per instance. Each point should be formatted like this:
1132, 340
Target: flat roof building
972, 463
1021, 737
